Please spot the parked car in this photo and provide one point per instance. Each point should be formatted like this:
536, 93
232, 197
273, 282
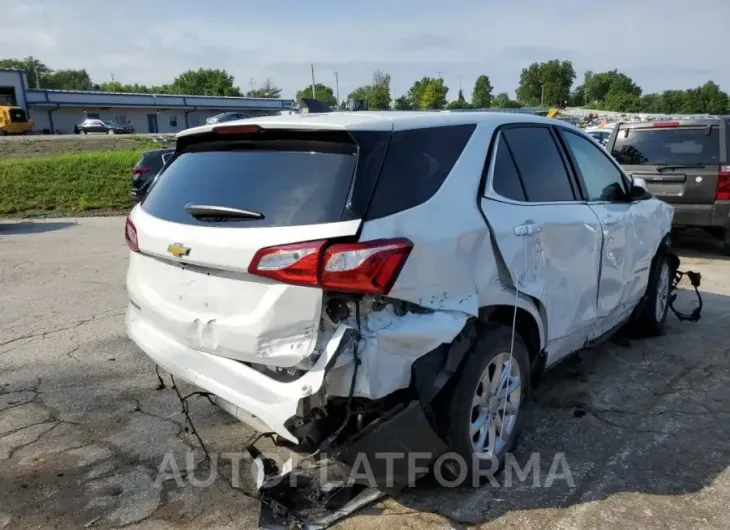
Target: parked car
14, 120
685, 163
599, 134
146, 169
351, 278
94, 126
226, 116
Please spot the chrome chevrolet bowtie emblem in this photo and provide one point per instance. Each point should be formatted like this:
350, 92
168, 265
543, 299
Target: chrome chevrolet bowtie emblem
178, 250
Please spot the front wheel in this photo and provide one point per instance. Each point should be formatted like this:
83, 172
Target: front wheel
483, 416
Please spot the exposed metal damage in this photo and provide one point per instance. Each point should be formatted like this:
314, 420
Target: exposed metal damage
374, 399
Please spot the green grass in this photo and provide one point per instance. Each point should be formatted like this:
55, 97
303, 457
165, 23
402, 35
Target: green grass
68, 184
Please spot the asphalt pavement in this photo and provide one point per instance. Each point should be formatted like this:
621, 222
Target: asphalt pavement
641, 429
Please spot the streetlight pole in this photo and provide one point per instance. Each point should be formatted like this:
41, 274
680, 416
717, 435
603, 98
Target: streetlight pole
314, 91
337, 89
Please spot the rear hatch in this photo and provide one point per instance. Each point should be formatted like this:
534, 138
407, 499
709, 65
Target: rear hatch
227, 195
679, 160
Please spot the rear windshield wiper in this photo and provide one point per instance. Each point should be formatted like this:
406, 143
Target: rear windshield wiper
220, 213
678, 166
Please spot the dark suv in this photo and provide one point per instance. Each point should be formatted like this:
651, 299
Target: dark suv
685, 163
145, 171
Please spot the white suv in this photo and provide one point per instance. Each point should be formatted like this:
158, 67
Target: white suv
324, 274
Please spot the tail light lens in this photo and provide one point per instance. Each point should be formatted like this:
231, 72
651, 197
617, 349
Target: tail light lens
371, 267
140, 170
723, 184
298, 264
130, 234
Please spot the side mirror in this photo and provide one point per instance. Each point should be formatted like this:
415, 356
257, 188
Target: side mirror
639, 190
638, 182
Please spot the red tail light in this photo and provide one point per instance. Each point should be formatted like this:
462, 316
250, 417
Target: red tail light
130, 234
371, 267
140, 170
723, 184
665, 124
298, 263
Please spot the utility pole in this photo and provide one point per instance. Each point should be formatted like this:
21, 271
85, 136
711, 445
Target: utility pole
250, 83
337, 89
542, 94
314, 91
439, 74
112, 77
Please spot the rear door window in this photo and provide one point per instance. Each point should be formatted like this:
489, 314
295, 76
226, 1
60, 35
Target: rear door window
290, 183
668, 146
506, 179
416, 165
540, 164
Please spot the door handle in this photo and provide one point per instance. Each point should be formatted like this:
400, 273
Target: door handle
610, 220
527, 229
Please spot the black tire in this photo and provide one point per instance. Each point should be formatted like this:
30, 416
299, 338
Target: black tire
492, 340
650, 321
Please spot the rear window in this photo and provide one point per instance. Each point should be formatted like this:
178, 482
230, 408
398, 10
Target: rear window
289, 182
17, 115
668, 146
152, 160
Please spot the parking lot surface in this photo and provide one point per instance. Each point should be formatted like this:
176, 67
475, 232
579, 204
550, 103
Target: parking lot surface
84, 430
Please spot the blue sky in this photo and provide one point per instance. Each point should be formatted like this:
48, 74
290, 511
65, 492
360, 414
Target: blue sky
150, 41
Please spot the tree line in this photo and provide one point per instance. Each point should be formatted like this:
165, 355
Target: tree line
548, 84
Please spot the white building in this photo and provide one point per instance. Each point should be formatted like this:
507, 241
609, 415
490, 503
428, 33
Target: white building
60, 110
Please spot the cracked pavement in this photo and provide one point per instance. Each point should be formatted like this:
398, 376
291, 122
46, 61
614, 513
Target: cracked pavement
84, 430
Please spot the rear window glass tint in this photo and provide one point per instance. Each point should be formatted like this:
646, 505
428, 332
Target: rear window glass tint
152, 160
289, 188
667, 146
416, 165
17, 115
540, 164
506, 180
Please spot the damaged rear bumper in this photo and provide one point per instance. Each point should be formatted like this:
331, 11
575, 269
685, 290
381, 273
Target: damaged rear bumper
254, 398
